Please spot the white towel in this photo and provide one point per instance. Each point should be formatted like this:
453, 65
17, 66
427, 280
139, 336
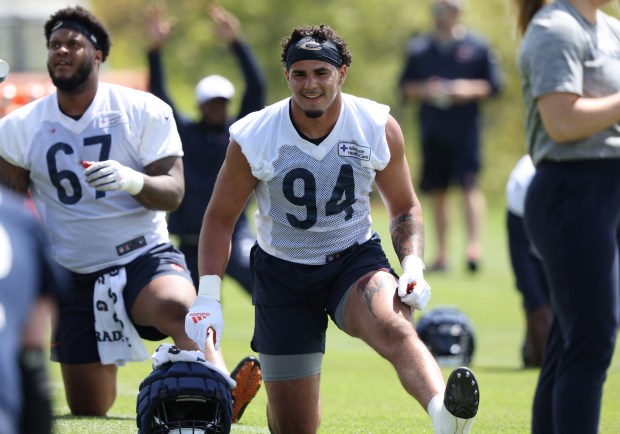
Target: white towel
117, 338
166, 353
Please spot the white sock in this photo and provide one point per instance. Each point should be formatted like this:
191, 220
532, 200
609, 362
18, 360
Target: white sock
443, 421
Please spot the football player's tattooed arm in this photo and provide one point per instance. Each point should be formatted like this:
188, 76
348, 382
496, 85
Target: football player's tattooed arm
164, 185
407, 234
13, 177
396, 189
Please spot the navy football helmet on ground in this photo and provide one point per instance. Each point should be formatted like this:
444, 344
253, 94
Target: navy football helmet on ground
449, 335
184, 397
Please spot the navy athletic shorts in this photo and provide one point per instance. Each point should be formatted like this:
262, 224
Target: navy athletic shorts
292, 300
449, 161
74, 341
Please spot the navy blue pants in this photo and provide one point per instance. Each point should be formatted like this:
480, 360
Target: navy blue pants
528, 269
572, 215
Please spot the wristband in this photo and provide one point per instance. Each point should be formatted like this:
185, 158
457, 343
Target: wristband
412, 262
135, 183
210, 286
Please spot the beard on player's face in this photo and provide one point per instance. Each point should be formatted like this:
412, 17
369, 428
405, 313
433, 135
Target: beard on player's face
313, 114
71, 83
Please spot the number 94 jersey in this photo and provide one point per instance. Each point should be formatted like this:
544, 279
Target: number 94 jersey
313, 200
92, 230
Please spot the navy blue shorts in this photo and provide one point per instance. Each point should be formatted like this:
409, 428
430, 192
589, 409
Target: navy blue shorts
447, 162
292, 301
74, 341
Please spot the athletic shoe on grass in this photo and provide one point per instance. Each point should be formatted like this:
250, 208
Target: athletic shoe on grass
462, 395
247, 374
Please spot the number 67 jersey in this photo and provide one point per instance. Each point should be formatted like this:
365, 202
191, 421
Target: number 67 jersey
313, 199
91, 230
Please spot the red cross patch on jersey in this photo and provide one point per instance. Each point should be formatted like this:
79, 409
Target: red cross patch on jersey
353, 149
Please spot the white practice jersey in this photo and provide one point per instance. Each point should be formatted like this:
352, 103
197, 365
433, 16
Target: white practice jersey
313, 200
92, 230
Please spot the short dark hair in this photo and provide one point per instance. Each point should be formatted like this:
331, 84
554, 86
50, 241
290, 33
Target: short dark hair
88, 20
321, 33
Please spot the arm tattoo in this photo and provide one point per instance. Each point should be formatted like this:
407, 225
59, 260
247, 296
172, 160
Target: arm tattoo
407, 236
367, 288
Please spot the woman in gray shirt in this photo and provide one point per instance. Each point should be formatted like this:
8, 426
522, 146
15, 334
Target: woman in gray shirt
569, 62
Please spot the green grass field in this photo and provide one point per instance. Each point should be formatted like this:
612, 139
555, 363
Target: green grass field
360, 391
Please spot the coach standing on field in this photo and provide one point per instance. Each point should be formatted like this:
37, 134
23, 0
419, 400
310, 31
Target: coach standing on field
450, 71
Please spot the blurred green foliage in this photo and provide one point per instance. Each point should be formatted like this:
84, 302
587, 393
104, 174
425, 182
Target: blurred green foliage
377, 32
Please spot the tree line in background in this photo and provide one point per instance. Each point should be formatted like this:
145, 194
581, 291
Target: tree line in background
377, 32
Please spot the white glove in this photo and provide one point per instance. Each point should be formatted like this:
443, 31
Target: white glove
111, 175
412, 288
206, 311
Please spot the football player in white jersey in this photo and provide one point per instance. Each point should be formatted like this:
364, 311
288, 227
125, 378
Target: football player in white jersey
311, 160
103, 166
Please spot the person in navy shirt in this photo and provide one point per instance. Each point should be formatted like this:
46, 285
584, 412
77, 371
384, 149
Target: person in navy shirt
205, 140
30, 284
449, 71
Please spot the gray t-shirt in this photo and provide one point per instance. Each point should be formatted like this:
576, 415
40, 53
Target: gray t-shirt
562, 52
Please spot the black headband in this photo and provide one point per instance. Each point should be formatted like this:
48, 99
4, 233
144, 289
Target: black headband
76, 25
309, 48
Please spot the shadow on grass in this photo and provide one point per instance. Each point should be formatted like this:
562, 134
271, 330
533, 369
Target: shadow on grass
101, 418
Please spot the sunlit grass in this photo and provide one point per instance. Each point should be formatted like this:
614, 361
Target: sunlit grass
360, 391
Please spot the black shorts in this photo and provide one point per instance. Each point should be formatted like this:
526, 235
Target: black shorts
292, 300
74, 341
448, 162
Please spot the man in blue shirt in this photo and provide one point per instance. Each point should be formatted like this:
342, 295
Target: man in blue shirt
449, 71
205, 140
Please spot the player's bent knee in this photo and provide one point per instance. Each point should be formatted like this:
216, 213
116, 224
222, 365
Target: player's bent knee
392, 336
292, 412
90, 389
94, 405
169, 316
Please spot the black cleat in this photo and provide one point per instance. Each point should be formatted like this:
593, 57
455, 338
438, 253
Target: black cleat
462, 395
473, 266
